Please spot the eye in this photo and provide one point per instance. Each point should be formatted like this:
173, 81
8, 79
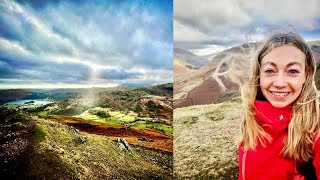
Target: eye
293, 71
269, 71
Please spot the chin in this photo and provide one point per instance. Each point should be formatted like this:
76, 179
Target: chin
279, 104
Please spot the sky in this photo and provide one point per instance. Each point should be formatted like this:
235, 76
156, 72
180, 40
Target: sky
85, 43
210, 26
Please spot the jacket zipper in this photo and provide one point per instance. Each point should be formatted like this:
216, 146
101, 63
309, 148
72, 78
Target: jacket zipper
244, 164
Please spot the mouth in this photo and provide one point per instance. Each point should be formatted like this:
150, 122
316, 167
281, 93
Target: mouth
279, 95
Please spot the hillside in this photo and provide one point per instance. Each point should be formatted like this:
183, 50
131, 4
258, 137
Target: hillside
99, 133
204, 136
179, 67
43, 149
12, 95
219, 79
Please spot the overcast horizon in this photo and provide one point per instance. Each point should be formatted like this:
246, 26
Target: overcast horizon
51, 44
211, 26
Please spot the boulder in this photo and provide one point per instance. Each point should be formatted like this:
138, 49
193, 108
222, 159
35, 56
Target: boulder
123, 144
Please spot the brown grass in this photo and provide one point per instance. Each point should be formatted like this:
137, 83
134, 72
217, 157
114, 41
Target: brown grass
204, 141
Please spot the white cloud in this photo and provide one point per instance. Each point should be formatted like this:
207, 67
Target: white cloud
234, 22
292, 10
208, 14
208, 50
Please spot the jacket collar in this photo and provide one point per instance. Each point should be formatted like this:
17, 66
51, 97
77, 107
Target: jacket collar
277, 118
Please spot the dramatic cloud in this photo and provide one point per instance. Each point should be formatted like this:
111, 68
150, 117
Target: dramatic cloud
67, 41
202, 24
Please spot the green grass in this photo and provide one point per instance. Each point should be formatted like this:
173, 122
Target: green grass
13, 106
110, 120
118, 117
115, 115
128, 118
148, 124
39, 133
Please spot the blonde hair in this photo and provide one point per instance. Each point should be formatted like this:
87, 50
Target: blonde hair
305, 110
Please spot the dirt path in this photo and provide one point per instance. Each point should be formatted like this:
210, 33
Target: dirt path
147, 137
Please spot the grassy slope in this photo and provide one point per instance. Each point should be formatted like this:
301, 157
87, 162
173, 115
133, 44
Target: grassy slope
62, 152
204, 141
36, 148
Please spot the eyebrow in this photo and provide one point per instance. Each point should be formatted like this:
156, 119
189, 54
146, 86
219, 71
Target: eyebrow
288, 65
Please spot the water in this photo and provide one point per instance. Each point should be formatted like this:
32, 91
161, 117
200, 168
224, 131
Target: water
25, 101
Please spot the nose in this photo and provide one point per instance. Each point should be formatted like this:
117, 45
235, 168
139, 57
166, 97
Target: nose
280, 81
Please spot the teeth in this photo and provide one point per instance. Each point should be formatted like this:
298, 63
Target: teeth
279, 94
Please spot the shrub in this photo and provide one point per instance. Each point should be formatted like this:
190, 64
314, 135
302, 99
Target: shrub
138, 108
100, 113
153, 106
103, 114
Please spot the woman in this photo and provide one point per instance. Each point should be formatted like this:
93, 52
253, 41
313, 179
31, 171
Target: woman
281, 118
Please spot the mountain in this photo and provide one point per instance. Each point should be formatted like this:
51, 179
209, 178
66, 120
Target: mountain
12, 95
220, 78
189, 59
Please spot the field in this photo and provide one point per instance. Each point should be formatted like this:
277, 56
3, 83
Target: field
204, 141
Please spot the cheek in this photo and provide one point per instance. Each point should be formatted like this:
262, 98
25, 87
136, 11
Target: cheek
297, 86
264, 83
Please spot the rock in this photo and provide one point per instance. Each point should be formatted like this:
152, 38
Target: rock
123, 144
74, 130
200, 148
145, 139
81, 140
52, 125
142, 139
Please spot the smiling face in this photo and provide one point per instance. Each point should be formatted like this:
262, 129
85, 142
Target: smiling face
282, 75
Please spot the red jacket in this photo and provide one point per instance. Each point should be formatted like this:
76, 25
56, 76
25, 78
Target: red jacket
266, 162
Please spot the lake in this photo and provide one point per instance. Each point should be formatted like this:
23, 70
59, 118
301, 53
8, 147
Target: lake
30, 101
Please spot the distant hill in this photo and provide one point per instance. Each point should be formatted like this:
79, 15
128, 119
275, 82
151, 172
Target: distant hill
12, 95
61, 94
209, 56
189, 59
137, 99
219, 79
179, 67
154, 101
